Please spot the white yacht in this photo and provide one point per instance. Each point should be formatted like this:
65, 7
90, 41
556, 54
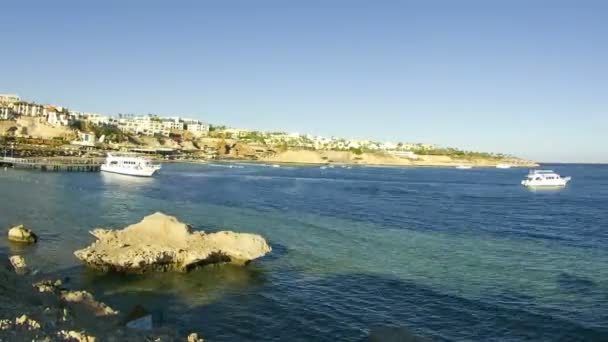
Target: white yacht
464, 167
503, 166
131, 165
544, 179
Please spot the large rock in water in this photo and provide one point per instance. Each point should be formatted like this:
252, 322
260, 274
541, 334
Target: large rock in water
161, 243
21, 234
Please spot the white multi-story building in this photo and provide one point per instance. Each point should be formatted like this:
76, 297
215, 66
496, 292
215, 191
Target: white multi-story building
236, 132
198, 129
404, 154
388, 146
9, 98
146, 125
28, 109
55, 117
173, 124
94, 118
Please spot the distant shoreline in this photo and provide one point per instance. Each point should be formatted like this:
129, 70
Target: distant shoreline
338, 164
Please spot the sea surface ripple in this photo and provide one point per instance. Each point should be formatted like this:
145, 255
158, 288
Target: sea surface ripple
448, 254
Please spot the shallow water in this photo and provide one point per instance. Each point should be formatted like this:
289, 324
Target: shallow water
449, 254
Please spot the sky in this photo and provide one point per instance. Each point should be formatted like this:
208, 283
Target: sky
524, 77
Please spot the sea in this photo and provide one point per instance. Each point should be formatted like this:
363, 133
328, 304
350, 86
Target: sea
446, 254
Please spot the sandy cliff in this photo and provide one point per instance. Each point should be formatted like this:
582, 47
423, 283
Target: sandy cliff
344, 157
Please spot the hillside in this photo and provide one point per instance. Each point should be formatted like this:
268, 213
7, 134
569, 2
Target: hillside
34, 127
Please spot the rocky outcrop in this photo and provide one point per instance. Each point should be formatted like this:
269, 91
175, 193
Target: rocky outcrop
41, 313
21, 234
162, 243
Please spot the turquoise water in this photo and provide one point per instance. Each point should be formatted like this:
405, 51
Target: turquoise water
449, 254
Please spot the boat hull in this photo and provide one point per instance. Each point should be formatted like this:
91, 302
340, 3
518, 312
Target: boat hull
547, 185
145, 172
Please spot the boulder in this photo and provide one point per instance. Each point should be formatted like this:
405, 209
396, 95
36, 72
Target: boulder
19, 264
162, 243
21, 234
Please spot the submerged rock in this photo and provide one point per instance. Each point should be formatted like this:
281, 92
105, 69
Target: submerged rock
194, 338
162, 243
72, 335
47, 286
19, 264
5, 324
27, 323
139, 318
87, 300
21, 234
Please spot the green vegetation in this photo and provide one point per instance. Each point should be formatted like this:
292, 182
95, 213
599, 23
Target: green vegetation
253, 137
216, 128
161, 138
111, 133
456, 153
357, 151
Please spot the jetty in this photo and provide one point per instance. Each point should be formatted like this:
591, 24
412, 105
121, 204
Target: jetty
55, 164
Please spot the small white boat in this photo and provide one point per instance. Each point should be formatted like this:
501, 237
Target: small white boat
276, 165
503, 166
545, 179
323, 168
464, 167
131, 165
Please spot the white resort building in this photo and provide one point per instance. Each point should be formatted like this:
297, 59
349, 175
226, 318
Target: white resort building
198, 129
56, 117
9, 98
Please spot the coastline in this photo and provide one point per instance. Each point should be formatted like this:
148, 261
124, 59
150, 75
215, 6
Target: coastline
314, 164
384, 159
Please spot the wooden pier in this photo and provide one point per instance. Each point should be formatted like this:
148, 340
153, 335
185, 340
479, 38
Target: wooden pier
54, 164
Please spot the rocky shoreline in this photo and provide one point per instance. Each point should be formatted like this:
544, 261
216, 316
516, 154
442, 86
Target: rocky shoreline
48, 310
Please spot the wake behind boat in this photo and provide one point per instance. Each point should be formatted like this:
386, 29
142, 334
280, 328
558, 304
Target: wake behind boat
131, 165
545, 179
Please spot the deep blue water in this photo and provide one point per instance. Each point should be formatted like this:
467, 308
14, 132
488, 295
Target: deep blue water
448, 254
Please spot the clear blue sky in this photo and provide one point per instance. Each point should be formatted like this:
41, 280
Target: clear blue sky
524, 77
